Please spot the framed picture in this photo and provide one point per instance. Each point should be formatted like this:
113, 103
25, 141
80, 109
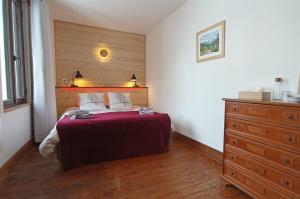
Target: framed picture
211, 42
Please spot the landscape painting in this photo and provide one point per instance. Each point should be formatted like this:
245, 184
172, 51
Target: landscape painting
211, 42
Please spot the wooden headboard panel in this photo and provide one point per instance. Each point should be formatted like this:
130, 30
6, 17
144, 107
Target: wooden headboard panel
66, 96
77, 48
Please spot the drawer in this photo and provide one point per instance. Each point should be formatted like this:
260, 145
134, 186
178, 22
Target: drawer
268, 113
282, 179
251, 185
286, 138
283, 158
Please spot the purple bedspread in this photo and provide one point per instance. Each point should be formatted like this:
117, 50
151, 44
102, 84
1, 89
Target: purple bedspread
112, 136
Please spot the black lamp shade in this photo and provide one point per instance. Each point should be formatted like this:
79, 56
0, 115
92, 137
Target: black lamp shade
133, 78
78, 75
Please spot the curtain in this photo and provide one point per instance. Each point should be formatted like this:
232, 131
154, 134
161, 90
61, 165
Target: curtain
1, 111
43, 101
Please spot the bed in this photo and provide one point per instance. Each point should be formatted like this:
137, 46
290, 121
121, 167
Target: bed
107, 135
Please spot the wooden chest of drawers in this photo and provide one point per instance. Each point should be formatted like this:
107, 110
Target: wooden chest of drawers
262, 148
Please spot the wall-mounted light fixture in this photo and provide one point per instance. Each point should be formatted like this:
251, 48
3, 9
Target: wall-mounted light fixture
76, 75
134, 79
104, 53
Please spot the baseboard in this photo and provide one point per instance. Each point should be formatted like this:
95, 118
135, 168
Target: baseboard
13, 161
203, 149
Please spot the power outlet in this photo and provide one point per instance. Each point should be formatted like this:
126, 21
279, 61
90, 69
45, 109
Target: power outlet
64, 81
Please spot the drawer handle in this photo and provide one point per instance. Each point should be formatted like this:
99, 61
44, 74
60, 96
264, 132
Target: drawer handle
235, 108
291, 117
234, 141
286, 161
232, 173
290, 138
232, 157
286, 183
235, 126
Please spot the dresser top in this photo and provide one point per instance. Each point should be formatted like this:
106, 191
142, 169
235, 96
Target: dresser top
267, 102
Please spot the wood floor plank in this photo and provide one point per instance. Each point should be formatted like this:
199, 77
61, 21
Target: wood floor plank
178, 174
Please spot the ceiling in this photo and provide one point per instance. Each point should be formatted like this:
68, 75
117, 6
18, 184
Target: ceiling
136, 16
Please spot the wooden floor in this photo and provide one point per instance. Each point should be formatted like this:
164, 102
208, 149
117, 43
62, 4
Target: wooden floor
180, 173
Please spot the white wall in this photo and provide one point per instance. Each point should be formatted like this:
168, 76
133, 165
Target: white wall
262, 42
15, 132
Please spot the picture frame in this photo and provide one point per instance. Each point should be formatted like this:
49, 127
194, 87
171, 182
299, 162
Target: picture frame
211, 42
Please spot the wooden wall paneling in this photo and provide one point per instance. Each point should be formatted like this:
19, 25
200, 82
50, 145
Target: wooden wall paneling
77, 48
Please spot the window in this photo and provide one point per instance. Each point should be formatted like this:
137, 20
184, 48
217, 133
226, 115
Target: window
13, 68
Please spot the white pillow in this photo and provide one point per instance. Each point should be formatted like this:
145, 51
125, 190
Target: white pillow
91, 101
119, 101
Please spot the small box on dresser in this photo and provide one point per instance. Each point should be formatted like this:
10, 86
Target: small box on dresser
262, 148
259, 95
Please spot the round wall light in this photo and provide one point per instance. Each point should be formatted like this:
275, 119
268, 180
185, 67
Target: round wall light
104, 53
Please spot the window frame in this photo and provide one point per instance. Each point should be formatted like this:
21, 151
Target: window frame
13, 100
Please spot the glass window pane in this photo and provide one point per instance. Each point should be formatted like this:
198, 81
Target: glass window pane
4, 84
18, 48
3, 55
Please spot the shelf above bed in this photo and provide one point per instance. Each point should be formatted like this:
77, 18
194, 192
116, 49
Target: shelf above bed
103, 89
99, 87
